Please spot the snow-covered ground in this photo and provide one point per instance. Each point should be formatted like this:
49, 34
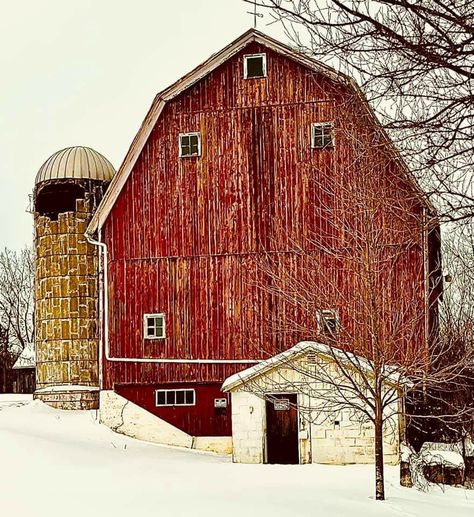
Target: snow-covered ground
57, 463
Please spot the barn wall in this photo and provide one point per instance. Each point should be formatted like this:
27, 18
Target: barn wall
202, 419
191, 237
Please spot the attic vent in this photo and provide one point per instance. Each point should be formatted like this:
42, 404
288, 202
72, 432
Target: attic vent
311, 357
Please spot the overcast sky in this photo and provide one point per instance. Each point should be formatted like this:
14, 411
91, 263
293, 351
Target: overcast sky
84, 72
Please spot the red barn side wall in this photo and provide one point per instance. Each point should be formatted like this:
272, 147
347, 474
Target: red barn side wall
202, 419
187, 236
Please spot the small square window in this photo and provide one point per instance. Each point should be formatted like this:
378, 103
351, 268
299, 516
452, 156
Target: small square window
154, 326
322, 135
328, 321
255, 65
189, 144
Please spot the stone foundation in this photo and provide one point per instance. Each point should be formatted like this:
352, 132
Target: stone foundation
74, 397
125, 417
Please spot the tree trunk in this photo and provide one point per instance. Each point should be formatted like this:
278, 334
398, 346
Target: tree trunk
379, 467
3, 379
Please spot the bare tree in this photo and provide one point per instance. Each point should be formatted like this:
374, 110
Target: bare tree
414, 60
358, 284
16, 304
5, 358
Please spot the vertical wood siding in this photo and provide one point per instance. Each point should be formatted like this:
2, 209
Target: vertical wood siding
202, 419
187, 236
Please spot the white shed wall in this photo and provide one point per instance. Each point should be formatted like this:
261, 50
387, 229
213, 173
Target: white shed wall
321, 438
248, 427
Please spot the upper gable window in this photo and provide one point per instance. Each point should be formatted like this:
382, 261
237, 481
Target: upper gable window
255, 65
322, 135
189, 144
328, 322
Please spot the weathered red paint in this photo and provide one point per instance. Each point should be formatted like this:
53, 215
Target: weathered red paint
186, 236
202, 419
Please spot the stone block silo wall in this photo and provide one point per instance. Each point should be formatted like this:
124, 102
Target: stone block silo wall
66, 310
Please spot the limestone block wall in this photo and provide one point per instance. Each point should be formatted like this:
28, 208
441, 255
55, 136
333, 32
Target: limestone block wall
336, 437
66, 307
349, 442
248, 427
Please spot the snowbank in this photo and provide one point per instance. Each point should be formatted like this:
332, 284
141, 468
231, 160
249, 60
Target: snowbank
56, 463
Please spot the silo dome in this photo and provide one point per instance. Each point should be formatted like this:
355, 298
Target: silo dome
77, 163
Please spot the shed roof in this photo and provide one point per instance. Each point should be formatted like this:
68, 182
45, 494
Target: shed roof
299, 350
76, 163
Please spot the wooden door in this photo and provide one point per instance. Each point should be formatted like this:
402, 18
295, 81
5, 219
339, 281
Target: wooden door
282, 429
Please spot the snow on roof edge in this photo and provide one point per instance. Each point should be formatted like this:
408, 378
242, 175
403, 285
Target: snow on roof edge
26, 359
299, 349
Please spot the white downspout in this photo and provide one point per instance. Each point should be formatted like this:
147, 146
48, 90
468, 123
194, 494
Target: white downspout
104, 323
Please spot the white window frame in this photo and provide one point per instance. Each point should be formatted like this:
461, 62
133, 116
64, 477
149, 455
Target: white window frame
175, 391
321, 325
264, 65
330, 125
192, 133
145, 325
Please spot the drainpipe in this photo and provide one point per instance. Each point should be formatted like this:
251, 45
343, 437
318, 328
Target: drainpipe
102, 247
104, 323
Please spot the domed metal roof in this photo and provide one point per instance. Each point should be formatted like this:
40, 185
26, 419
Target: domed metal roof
76, 163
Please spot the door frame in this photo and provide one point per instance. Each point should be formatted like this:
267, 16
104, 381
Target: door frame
265, 434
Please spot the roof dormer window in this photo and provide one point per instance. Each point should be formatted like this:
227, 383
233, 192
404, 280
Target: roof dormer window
255, 66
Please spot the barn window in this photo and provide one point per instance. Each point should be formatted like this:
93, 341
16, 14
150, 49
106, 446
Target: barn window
154, 326
322, 135
255, 65
328, 322
189, 144
180, 397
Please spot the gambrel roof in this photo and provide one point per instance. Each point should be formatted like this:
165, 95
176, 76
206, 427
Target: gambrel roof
199, 73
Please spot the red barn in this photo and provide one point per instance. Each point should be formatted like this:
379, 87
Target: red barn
237, 165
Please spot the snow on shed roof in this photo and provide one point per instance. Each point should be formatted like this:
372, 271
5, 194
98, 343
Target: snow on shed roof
301, 349
26, 359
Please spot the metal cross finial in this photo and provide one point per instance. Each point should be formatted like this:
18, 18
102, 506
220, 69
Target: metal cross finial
254, 13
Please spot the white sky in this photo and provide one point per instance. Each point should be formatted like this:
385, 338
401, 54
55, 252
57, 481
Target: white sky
84, 72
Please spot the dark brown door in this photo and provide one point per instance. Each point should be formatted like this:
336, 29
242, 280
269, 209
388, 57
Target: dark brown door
282, 429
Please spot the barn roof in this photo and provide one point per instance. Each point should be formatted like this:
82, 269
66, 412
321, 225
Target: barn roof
196, 75
300, 350
76, 163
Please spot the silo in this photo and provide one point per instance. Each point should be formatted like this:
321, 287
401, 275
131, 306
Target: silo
68, 188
